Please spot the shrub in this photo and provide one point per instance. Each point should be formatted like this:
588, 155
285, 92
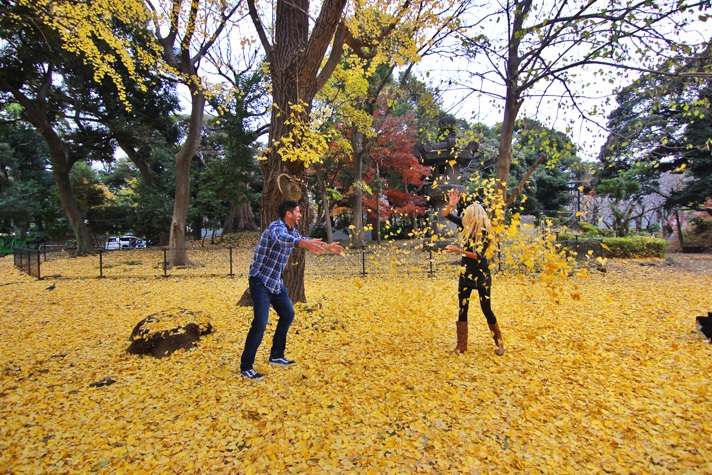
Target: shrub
592, 230
636, 246
318, 232
653, 227
35, 238
701, 225
580, 244
566, 236
698, 235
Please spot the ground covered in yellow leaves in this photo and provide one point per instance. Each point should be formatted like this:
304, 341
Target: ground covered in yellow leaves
603, 374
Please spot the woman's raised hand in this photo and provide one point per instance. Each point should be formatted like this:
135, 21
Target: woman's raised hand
453, 197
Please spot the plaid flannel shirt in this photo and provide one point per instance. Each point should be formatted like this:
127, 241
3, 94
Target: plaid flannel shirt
272, 253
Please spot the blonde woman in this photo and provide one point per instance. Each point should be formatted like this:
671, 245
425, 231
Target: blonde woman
475, 237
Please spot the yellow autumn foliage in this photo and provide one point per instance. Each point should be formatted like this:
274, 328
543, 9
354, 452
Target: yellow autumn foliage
601, 375
305, 142
83, 25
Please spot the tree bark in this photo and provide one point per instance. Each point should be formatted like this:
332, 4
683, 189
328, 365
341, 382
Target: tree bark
177, 252
295, 64
240, 218
325, 205
357, 143
246, 219
504, 159
36, 113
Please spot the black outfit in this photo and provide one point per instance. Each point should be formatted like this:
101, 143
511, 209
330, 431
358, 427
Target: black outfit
476, 275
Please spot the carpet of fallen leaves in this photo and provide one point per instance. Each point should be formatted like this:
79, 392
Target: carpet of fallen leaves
604, 374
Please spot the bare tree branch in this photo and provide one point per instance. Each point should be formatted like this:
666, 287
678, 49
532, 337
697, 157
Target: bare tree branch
525, 178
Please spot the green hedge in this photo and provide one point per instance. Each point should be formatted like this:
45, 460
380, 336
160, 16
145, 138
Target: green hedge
635, 246
567, 237
591, 230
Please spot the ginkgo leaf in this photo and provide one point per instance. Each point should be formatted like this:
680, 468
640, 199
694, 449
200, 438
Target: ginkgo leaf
376, 387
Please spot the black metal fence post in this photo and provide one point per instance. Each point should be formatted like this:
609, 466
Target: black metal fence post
363, 260
101, 264
165, 262
430, 272
231, 274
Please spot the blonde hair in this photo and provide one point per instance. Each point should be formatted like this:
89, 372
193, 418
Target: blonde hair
474, 221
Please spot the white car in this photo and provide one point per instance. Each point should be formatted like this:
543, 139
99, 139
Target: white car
124, 242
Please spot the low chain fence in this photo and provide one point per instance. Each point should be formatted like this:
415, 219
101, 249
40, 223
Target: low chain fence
403, 257
220, 261
28, 261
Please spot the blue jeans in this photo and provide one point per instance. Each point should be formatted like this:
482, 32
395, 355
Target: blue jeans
261, 301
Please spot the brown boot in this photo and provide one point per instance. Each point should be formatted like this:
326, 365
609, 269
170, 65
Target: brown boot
461, 337
498, 340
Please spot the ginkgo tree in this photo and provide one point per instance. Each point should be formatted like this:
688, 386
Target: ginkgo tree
78, 115
87, 29
29, 75
301, 55
184, 33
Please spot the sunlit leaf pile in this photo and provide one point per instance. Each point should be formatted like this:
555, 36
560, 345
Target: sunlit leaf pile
603, 374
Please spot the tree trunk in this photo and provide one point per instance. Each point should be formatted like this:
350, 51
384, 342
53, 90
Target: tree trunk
240, 218
246, 219
504, 159
325, 205
36, 114
295, 66
71, 207
177, 252
513, 99
139, 159
230, 223
377, 227
197, 228
357, 237
679, 229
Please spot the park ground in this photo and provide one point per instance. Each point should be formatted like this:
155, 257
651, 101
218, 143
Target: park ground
604, 374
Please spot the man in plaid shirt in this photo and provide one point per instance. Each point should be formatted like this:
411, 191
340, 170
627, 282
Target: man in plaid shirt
266, 286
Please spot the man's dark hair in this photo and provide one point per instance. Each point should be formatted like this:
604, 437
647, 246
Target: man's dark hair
285, 206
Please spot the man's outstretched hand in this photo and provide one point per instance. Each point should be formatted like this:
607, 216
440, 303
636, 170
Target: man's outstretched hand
318, 247
334, 247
